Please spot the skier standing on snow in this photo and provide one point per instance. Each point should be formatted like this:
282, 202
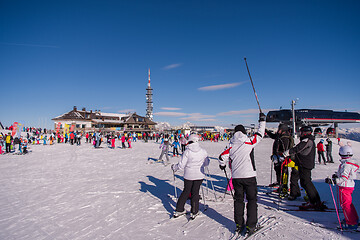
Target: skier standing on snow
164, 146
329, 151
321, 151
192, 162
283, 141
305, 160
344, 178
183, 143
176, 145
244, 174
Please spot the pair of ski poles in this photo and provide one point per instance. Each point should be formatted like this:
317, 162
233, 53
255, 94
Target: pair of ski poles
202, 188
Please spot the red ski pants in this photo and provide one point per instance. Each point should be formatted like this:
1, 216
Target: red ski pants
349, 210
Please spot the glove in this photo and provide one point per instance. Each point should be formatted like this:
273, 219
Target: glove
286, 153
222, 167
334, 177
262, 117
329, 180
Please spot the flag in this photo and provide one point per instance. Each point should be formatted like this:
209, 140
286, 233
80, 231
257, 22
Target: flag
58, 127
14, 130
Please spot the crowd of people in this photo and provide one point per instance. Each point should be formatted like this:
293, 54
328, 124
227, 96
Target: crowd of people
238, 157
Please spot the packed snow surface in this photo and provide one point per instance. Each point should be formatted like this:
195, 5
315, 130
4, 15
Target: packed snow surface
78, 192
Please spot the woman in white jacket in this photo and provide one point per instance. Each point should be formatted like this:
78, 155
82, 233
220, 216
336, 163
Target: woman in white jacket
192, 162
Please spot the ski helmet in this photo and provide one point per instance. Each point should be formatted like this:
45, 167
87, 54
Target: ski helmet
346, 151
306, 129
283, 127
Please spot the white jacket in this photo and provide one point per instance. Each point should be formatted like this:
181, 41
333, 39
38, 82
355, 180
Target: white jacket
192, 162
347, 173
239, 153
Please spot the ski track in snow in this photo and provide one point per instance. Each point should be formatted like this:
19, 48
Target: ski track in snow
78, 192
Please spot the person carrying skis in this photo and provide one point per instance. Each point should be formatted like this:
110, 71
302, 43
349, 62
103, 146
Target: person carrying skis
193, 162
305, 160
344, 179
283, 141
244, 174
321, 151
329, 151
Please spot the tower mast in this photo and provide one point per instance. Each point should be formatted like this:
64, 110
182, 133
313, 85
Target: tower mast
149, 102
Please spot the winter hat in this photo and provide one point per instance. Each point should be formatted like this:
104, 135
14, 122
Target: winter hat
283, 127
240, 128
322, 140
193, 138
345, 150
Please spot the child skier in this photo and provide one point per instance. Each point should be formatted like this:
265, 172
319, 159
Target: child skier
164, 150
193, 161
176, 145
344, 179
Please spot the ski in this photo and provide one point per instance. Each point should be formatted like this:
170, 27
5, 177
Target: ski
306, 210
335, 228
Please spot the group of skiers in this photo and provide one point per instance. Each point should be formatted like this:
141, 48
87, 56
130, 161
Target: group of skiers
240, 157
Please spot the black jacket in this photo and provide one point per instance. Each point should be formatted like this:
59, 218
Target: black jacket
282, 142
305, 152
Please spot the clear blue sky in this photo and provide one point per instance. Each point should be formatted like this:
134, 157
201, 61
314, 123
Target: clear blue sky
95, 54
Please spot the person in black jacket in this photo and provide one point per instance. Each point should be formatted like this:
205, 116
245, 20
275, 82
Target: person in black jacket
283, 141
305, 160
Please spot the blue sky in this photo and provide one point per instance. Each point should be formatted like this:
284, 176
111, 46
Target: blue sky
95, 54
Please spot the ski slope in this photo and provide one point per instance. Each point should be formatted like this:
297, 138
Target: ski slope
78, 192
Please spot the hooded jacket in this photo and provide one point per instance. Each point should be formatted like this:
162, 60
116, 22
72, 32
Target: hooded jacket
347, 172
192, 162
305, 152
239, 153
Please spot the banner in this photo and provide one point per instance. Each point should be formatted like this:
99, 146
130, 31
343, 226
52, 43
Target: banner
14, 130
18, 133
58, 127
72, 128
66, 129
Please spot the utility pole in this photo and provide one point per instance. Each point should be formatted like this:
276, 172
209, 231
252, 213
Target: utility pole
293, 103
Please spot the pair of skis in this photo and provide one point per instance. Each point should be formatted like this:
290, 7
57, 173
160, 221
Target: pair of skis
264, 223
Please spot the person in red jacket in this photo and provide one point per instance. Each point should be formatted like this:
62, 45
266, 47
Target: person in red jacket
321, 151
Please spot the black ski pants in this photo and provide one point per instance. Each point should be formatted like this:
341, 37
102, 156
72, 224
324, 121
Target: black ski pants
175, 150
306, 183
294, 183
8, 149
321, 155
329, 157
193, 187
246, 186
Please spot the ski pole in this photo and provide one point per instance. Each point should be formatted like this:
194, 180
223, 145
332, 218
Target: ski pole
337, 212
202, 189
257, 100
271, 172
228, 183
175, 185
212, 184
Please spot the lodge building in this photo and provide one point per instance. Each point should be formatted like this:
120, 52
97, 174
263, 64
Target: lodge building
83, 120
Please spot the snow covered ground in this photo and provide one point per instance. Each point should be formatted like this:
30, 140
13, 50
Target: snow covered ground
78, 192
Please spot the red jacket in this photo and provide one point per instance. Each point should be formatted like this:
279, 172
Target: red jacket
320, 147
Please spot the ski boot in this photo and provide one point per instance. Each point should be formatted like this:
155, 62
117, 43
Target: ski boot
178, 214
